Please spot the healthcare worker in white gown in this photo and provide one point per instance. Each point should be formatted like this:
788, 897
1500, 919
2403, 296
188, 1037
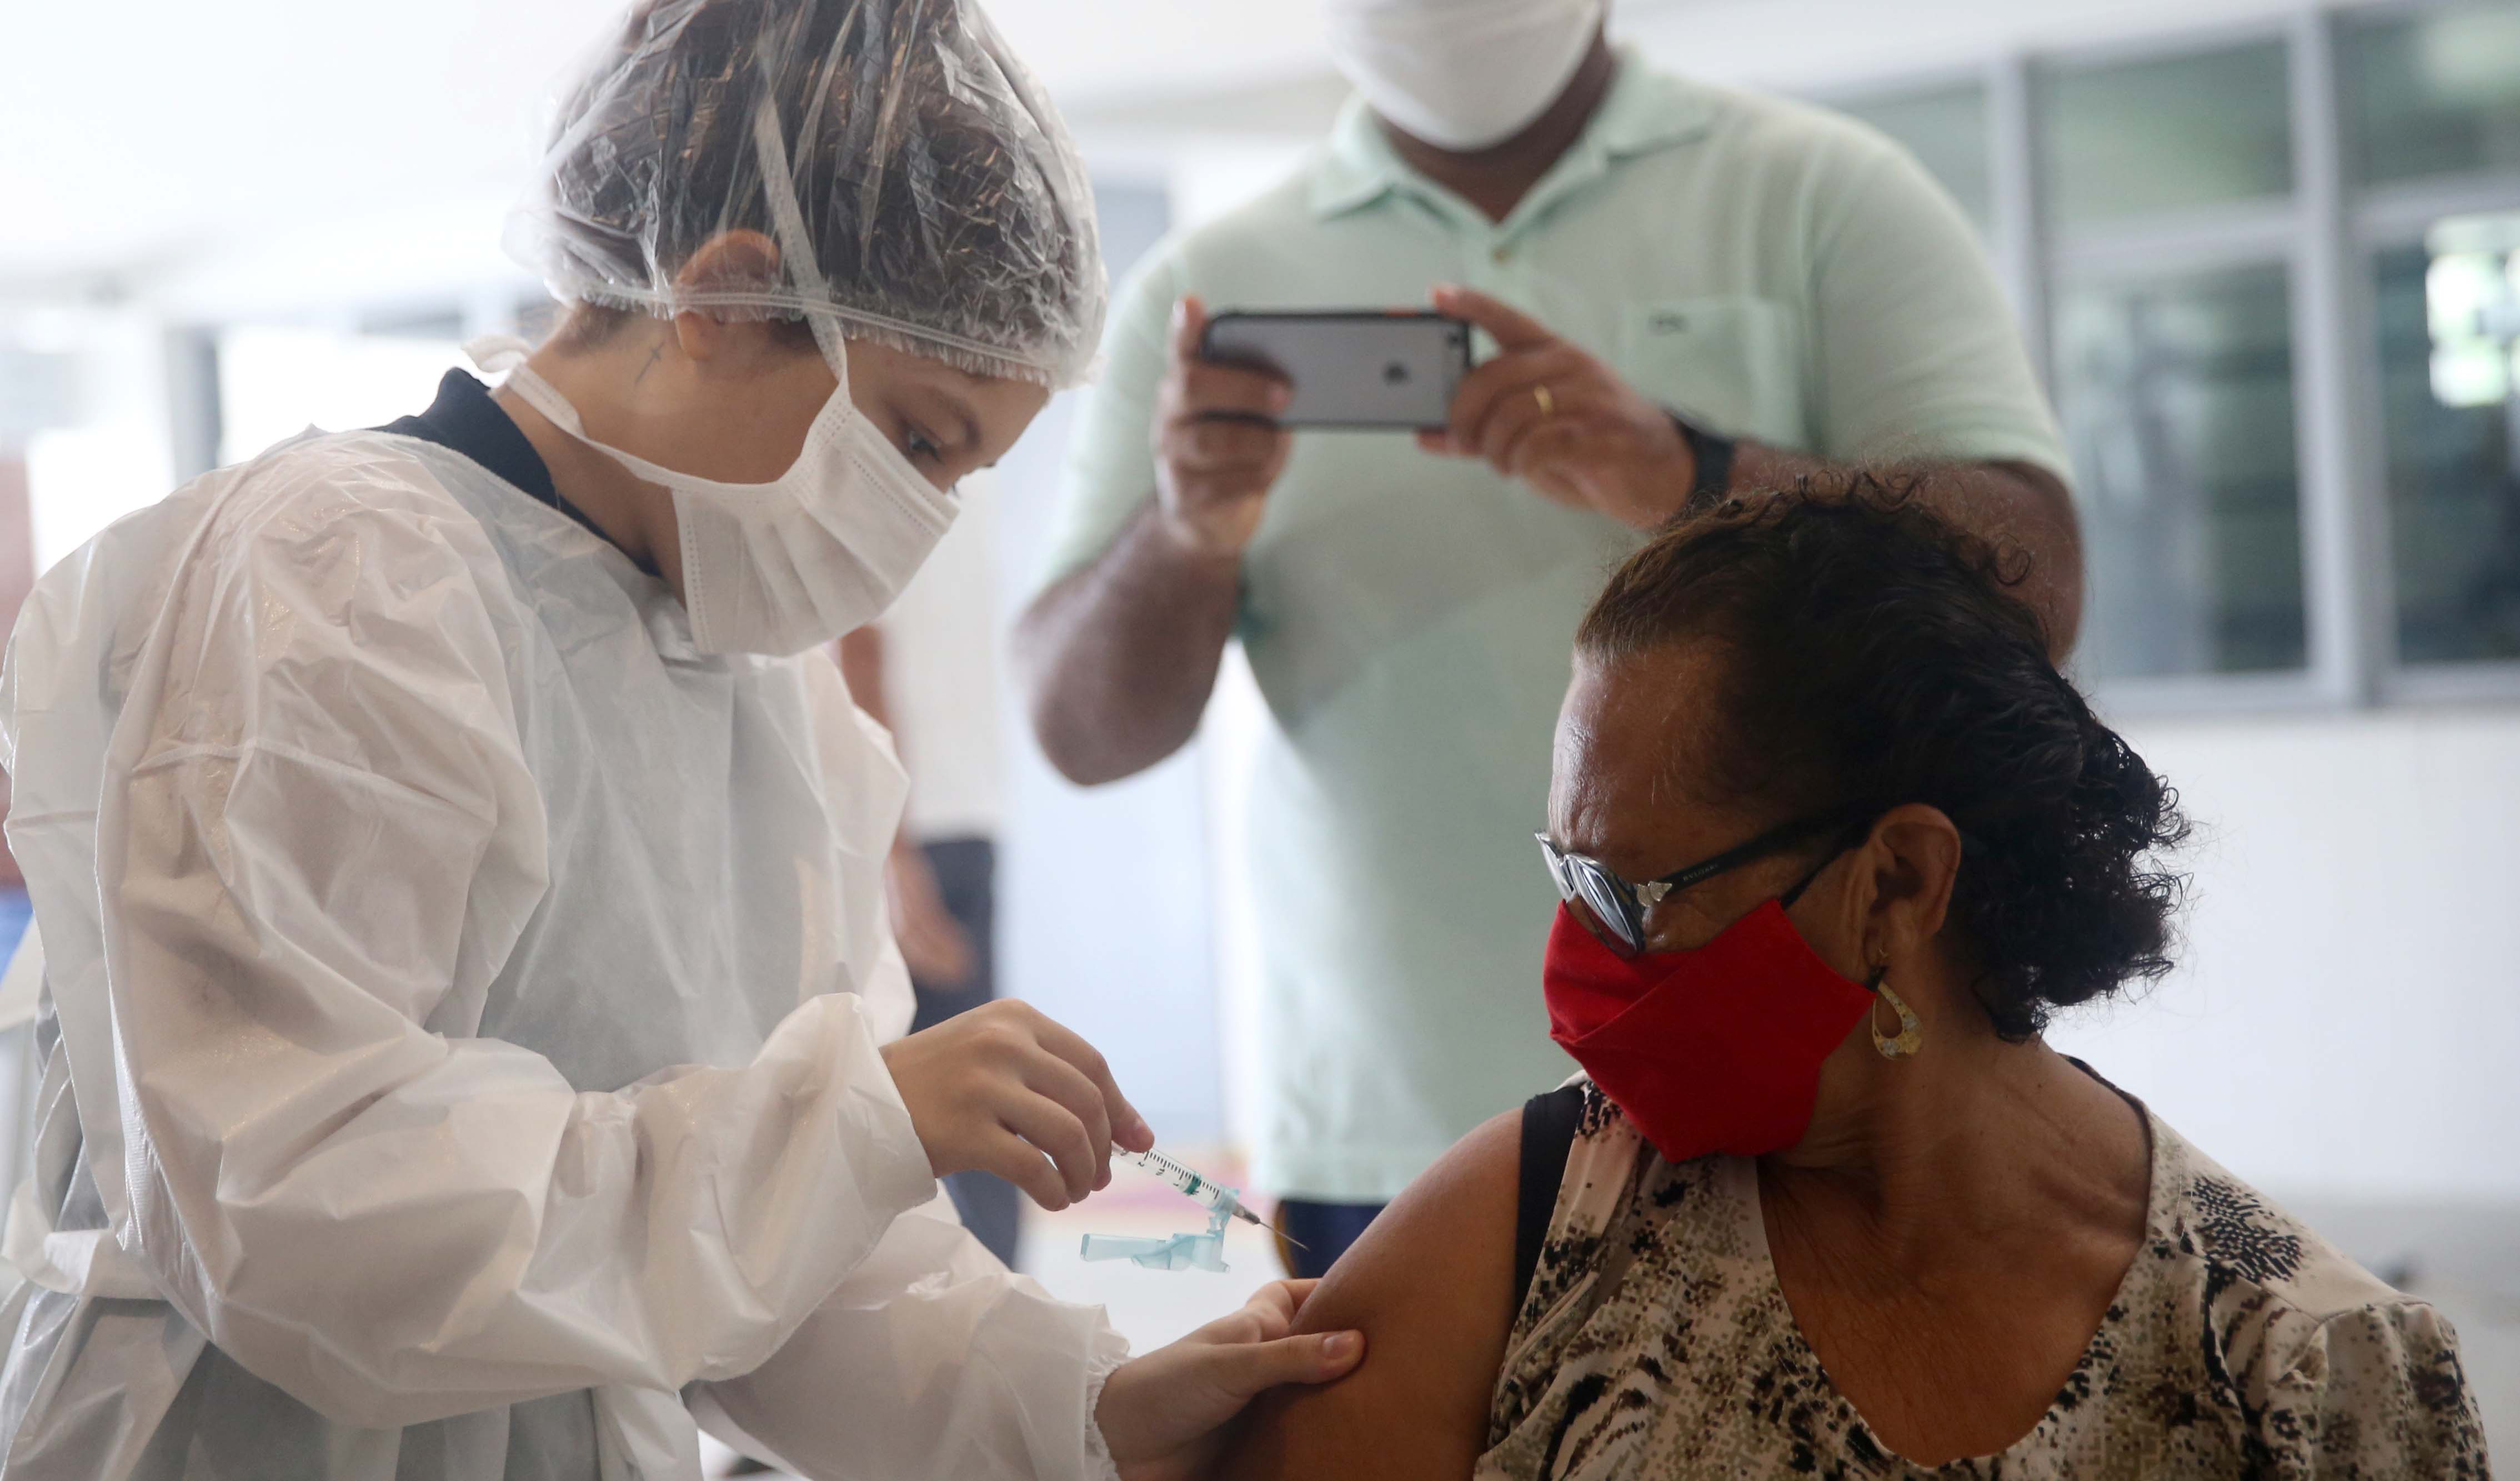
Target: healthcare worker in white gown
468, 1033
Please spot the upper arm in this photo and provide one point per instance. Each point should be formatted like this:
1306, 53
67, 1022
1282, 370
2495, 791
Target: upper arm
1917, 353
1111, 462
1430, 1285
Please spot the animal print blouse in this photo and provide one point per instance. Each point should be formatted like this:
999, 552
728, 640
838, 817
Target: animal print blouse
1655, 1342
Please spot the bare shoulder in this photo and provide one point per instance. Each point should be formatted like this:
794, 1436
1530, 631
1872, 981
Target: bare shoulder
1432, 1286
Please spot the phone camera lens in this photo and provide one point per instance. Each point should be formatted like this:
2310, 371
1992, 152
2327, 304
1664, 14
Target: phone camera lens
1395, 374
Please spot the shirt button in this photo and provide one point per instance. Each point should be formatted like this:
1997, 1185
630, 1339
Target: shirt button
1503, 255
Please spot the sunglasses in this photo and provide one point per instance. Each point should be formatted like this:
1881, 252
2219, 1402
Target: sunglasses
1621, 908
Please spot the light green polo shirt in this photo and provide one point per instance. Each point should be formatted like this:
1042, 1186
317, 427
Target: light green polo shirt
1775, 271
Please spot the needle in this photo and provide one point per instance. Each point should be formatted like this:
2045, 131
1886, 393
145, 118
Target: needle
1202, 1189
1249, 1217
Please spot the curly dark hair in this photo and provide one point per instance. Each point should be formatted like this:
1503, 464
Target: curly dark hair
1878, 656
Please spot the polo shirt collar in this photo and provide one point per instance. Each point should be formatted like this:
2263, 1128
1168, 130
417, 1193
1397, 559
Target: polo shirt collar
1645, 110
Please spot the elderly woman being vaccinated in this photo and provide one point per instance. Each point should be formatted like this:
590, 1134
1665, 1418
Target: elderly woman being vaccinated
470, 1042
1834, 842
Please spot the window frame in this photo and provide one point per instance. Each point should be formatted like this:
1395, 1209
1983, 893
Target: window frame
2184, 254
2326, 234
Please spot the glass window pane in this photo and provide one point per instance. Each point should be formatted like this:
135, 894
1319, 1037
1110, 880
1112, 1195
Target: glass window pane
2166, 134
2177, 399
2435, 92
1945, 130
2450, 380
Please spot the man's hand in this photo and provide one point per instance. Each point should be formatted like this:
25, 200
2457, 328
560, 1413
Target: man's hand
939, 950
1001, 1088
1165, 1414
1218, 445
1546, 412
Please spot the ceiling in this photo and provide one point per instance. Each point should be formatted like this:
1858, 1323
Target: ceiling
149, 143
139, 135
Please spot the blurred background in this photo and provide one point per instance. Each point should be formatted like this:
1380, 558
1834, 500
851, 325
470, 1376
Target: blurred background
2266, 253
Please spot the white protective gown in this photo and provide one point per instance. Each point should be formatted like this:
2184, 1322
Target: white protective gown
459, 1055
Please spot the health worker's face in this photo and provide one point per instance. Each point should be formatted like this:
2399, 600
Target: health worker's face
761, 400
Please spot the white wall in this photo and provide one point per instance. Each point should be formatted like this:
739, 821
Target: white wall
2346, 1019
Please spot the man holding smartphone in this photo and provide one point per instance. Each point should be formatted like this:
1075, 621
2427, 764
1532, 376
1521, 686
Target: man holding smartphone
1689, 292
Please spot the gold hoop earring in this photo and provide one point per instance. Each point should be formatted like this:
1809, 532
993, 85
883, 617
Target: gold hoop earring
1911, 1033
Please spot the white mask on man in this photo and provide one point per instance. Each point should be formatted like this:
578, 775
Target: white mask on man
1461, 74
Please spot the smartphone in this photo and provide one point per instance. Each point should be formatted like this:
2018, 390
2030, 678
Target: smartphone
1393, 369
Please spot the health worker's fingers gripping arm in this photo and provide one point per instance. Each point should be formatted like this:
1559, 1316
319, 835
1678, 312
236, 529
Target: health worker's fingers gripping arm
1003, 1087
318, 832
1170, 1416
1218, 447
1430, 1285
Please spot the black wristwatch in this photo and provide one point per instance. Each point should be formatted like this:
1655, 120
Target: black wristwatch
1712, 455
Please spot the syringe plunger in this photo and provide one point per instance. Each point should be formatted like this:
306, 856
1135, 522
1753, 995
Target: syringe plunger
1183, 1179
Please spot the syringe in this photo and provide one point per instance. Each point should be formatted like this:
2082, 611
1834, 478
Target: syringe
1202, 1188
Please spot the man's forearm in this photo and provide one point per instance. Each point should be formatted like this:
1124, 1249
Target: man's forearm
1121, 656
2015, 506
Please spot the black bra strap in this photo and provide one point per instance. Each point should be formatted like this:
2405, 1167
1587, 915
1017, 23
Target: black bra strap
1548, 1124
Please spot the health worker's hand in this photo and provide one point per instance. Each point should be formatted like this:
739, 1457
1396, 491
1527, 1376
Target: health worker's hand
1001, 1088
1550, 413
1218, 444
1166, 1415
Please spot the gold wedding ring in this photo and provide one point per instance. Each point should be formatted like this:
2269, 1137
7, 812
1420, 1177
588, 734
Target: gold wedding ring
1548, 402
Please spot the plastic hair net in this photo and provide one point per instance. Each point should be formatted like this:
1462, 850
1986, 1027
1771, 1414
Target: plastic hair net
946, 206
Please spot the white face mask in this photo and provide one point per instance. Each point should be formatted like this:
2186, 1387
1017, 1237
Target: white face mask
783, 566
823, 549
1461, 74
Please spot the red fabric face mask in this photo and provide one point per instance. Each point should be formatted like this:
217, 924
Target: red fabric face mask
1707, 1051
